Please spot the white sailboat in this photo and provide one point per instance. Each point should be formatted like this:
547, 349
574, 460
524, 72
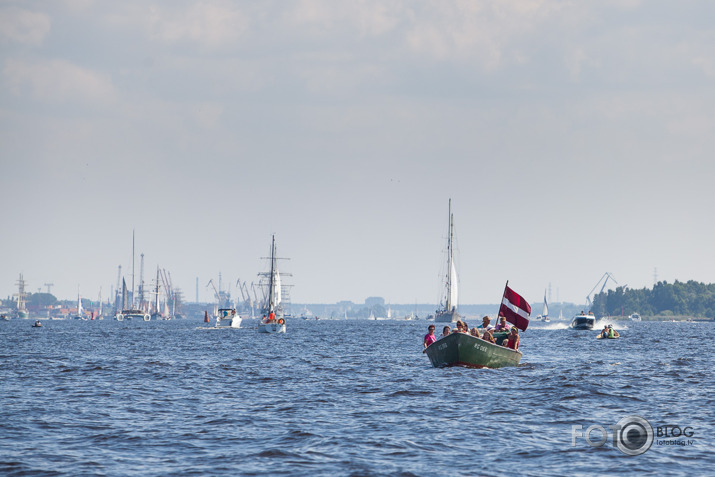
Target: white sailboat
545, 313
448, 313
273, 320
80, 311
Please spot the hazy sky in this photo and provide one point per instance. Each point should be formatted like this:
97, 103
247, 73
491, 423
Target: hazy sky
574, 138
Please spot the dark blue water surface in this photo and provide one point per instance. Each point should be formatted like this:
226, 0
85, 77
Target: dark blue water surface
343, 398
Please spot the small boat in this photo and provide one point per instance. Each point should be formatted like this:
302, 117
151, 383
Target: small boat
228, 318
80, 311
273, 320
545, 313
133, 315
462, 349
635, 317
448, 313
37, 324
583, 321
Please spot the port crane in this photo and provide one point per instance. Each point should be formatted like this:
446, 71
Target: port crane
606, 276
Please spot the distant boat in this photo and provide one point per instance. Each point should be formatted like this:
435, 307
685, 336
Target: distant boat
37, 324
80, 311
545, 313
583, 321
227, 317
133, 315
448, 313
273, 318
21, 311
635, 317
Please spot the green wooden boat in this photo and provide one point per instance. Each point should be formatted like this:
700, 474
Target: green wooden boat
461, 349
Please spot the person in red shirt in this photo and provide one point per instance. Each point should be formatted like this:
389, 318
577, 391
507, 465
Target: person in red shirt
429, 337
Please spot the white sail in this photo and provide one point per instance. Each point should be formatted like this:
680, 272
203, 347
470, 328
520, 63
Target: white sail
276, 283
546, 308
453, 286
79, 305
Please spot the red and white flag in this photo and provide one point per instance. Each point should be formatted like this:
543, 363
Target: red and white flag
515, 309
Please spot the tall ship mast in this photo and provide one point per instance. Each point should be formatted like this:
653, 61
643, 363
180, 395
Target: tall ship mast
21, 296
448, 313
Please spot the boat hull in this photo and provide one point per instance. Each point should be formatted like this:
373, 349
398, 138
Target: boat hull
271, 328
461, 349
583, 323
447, 317
133, 315
228, 323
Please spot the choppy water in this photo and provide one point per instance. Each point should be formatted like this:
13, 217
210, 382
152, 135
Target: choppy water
341, 398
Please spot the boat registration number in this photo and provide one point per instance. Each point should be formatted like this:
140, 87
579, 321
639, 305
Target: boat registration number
480, 347
442, 346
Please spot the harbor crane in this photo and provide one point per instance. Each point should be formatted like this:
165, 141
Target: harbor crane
218, 296
603, 279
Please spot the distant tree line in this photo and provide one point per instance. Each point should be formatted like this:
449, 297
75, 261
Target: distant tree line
690, 299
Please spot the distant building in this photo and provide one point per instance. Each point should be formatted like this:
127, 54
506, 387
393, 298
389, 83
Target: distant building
374, 301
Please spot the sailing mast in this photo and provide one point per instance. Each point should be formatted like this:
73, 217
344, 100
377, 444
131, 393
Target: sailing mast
133, 269
451, 275
156, 292
270, 281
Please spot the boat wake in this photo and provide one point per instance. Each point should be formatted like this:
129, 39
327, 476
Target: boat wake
605, 322
552, 326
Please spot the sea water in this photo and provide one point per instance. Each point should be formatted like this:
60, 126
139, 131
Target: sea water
346, 398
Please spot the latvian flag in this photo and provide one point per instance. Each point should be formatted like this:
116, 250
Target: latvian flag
515, 309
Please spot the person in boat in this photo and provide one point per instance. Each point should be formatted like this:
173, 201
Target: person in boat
612, 333
487, 336
445, 331
272, 318
513, 340
502, 325
429, 337
475, 332
604, 331
486, 324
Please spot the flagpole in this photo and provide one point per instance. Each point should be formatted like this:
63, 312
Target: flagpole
500, 304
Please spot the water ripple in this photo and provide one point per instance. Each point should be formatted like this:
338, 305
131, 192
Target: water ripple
162, 398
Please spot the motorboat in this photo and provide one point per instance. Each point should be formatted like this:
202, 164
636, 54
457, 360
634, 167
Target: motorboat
583, 321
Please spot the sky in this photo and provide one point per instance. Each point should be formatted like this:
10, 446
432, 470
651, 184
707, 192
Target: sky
573, 138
